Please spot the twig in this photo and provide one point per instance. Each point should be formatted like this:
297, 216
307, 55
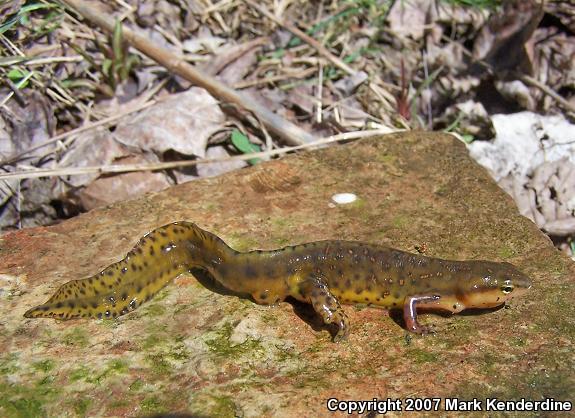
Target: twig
304, 37
547, 90
71, 171
274, 79
17, 94
287, 131
319, 94
7, 61
20, 84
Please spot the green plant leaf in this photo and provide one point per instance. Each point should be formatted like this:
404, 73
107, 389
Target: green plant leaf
243, 144
19, 77
16, 74
117, 43
106, 67
22, 15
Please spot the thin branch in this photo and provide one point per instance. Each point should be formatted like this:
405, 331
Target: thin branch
548, 91
71, 171
287, 131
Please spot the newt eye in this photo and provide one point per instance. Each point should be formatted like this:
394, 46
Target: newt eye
507, 288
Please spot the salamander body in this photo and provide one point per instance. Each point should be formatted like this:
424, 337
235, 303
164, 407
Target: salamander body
322, 273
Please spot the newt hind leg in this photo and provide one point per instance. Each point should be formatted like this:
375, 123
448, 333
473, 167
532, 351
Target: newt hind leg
314, 290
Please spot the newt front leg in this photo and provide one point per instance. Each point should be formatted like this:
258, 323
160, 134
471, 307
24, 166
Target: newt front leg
410, 313
315, 291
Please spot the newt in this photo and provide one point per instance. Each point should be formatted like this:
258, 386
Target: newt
323, 274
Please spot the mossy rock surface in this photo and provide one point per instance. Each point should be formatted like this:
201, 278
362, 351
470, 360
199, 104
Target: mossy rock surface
202, 353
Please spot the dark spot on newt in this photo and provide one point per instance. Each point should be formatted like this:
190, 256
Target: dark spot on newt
454, 306
124, 270
59, 305
250, 271
152, 252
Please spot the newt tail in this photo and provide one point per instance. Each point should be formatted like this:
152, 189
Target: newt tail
323, 273
156, 259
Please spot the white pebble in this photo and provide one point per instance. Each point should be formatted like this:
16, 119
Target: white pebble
344, 198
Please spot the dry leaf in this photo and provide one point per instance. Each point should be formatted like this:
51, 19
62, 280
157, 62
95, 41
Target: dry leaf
203, 42
548, 197
92, 148
182, 123
215, 169
408, 18
30, 125
115, 188
524, 141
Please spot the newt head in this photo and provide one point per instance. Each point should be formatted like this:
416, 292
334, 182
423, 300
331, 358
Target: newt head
492, 284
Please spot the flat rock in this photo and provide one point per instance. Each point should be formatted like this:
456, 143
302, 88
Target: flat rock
201, 352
